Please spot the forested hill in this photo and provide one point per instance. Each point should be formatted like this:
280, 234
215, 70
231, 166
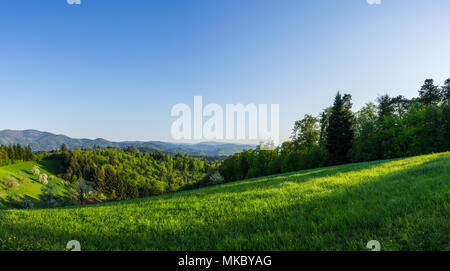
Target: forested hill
44, 141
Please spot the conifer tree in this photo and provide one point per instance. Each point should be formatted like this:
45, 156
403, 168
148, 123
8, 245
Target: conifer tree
339, 131
429, 93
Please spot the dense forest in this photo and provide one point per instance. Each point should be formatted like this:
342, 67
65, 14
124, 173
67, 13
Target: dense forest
118, 174
394, 127
12, 153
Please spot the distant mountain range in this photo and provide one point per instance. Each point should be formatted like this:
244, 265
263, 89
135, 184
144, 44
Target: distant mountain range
44, 141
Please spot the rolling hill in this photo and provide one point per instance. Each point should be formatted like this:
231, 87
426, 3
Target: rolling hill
27, 185
44, 141
402, 203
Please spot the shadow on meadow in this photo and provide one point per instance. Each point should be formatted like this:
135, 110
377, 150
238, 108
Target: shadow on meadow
399, 209
51, 166
14, 201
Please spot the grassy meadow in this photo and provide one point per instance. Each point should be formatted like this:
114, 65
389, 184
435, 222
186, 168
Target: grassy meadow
402, 203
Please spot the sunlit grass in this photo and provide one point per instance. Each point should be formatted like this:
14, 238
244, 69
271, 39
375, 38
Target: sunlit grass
403, 203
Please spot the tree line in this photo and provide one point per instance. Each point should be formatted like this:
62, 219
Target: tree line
393, 127
12, 153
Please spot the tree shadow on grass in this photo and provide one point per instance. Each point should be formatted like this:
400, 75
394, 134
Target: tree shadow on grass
21, 202
52, 166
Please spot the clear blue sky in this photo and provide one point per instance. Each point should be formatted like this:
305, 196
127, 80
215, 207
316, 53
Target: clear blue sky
114, 69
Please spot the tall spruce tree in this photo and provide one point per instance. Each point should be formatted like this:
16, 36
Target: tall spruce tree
339, 131
429, 93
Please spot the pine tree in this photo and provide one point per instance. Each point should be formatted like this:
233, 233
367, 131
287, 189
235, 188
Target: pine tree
63, 148
429, 93
339, 131
28, 153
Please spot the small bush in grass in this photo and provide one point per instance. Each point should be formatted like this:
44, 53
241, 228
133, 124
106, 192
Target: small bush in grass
52, 178
216, 178
43, 179
10, 182
35, 170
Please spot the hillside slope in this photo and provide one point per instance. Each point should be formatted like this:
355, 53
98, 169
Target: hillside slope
402, 203
27, 184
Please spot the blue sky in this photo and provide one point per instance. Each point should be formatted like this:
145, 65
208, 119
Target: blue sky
114, 69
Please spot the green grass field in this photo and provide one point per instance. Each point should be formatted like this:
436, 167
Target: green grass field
28, 184
402, 203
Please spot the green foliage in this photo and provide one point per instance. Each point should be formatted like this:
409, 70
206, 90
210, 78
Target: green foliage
12, 153
50, 195
216, 178
126, 174
339, 131
365, 147
429, 93
306, 133
445, 91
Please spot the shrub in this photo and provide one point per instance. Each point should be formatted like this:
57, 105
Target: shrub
9, 182
216, 178
157, 188
43, 179
86, 188
50, 195
35, 170
81, 190
27, 203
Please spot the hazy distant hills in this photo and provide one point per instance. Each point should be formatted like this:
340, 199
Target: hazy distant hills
44, 141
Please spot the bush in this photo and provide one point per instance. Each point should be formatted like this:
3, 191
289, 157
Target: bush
291, 162
27, 203
43, 179
85, 188
9, 182
216, 178
50, 195
35, 170
157, 188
